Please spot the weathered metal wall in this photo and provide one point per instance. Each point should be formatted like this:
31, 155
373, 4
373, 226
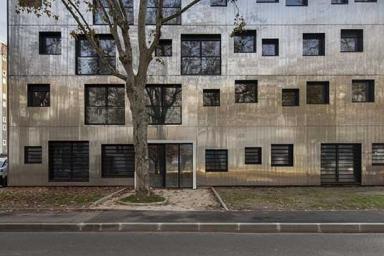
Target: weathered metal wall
230, 126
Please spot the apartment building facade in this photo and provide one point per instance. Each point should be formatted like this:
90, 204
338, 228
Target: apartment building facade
296, 99
3, 99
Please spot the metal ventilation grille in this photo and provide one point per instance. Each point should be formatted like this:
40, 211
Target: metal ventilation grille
33, 155
378, 154
216, 160
253, 155
68, 161
118, 161
282, 155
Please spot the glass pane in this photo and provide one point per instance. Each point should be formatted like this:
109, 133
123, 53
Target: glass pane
172, 115
116, 96
172, 165
40, 99
96, 115
349, 44
52, 45
190, 48
167, 12
106, 69
190, 66
244, 44
96, 96
116, 116
186, 165
245, 93
151, 16
86, 49
211, 66
172, 96
156, 165
312, 47
87, 65
108, 46
316, 94
210, 48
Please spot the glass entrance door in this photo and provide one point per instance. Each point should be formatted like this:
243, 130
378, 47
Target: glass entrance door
171, 165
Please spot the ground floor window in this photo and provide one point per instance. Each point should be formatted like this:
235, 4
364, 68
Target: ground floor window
253, 155
118, 161
216, 160
282, 155
68, 161
32, 155
378, 154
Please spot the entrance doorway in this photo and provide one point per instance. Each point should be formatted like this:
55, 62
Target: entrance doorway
340, 164
171, 165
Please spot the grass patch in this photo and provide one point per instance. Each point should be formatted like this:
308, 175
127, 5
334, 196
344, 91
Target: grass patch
52, 197
304, 198
153, 198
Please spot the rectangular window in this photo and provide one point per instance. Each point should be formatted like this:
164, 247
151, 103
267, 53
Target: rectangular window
38, 95
104, 104
50, 43
117, 161
246, 91
253, 155
216, 160
216, 3
88, 61
164, 104
164, 49
282, 154
352, 40
290, 97
200, 54
378, 154
339, 1
245, 42
270, 47
365, 1
267, 1
296, 2
99, 17
32, 155
314, 44
68, 161
317, 92
363, 91
211, 97
31, 3
170, 7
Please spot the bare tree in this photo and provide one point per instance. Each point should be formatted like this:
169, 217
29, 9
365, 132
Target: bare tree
117, 19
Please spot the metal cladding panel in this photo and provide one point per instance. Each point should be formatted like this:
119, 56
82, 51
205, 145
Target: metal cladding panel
230, 126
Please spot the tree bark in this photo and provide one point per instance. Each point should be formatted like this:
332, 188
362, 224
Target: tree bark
136, 96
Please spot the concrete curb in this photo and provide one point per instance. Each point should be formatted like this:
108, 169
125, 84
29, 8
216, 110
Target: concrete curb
218, 197
196, 227
107, 197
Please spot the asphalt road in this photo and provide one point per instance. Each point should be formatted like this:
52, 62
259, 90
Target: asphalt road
185, 244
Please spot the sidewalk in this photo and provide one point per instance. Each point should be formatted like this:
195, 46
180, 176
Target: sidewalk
207, 221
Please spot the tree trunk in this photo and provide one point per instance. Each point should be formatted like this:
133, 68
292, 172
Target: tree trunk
140, 131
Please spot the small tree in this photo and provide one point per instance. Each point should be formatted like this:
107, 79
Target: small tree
134, 76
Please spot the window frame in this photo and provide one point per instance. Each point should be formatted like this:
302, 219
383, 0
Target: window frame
296, 91
42, 43
162, 99
218, 5
98, 59
216, 91
214, 153
39, 88
130, 157
106, 106
370, 90
27, 157
315, 36
246, 33
200, 38
164, 42
305, 3
380, 159
345, 2
254, 151
326, 98
275, 42
247, 82
178, 18
131, 20
290, 156
359, 39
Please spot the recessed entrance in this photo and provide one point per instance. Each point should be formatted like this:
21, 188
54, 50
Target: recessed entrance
340, 164
171, 165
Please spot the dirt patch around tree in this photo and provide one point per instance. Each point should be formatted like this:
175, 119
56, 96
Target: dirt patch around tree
201, 199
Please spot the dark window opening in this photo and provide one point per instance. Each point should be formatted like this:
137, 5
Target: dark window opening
267, 1
253, 155
32, 155
296, 2
317, 92
164, 104
164, 49
118, 161
270, 47
216, 3
104, 104
31, 3
170, 7
102, 12
363, 91
314, 44
211, 97
68, 161
339, 1
378, 154
365, 1
200, 54
87, 59
352, 40
290, 97
246, 91
216, 160
38, 95
245, 42
50, 43
282, 154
